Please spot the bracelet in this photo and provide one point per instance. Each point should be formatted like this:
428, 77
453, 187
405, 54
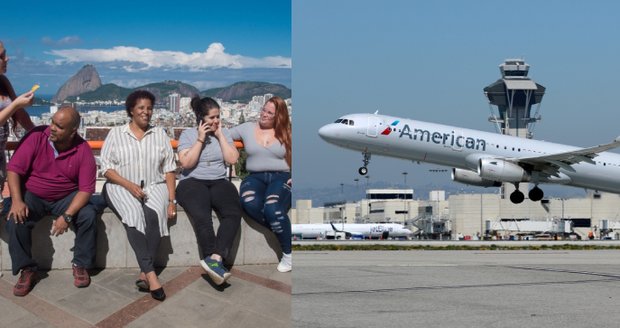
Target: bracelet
201, 141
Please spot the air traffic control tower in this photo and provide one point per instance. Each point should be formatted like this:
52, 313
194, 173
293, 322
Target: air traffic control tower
513, 95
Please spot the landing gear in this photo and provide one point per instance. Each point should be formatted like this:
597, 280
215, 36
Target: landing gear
536, 194
364, 170
517, 197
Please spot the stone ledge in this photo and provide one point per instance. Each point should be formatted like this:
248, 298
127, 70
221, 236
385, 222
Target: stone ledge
254, 244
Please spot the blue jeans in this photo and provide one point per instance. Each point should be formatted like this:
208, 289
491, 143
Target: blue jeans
266, 198
85, 225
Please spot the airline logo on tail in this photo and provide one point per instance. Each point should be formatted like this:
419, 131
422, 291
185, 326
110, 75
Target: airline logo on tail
388, 130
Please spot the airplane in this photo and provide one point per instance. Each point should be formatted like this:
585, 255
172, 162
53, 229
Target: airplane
478, 158
351, 230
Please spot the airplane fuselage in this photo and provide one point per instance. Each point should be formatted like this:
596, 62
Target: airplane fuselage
367, 230
463, 148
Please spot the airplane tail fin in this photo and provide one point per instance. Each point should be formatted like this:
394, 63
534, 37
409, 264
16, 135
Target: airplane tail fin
334, 227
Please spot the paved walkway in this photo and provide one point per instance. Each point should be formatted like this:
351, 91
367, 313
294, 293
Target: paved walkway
255, 296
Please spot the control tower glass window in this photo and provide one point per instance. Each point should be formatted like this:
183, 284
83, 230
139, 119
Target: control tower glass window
515, 73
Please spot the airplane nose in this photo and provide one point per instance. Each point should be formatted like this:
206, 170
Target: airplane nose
328, 132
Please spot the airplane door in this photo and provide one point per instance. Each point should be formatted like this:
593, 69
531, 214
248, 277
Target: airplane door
373, 127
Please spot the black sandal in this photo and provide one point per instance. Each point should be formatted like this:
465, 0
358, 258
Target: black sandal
158, 294
142, 285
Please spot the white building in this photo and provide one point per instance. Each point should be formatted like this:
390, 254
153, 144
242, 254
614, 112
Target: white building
174, 102
185, 105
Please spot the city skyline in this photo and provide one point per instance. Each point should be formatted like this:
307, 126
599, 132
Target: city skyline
136, 43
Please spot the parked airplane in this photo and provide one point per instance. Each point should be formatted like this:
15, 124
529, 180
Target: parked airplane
478, 158
351, 230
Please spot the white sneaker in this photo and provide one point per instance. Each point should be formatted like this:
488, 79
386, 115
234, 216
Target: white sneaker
286, 263
284, 267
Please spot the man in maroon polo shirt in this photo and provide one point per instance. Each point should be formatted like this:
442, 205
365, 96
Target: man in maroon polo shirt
52, 172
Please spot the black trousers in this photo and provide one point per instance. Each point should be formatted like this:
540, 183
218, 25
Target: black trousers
199, 198
20, 235
145, 244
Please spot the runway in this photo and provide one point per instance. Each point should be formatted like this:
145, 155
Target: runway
502, 288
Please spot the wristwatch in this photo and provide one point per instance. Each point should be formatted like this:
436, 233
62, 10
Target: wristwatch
173, 201
68, 217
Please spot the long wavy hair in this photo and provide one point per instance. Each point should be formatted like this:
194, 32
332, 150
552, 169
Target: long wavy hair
282, 127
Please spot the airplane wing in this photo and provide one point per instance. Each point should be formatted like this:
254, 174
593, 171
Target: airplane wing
551, 163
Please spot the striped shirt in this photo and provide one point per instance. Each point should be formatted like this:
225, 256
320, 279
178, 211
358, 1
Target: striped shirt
136, 160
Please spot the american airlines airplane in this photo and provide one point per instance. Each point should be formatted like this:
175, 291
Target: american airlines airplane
351, 230
478, 158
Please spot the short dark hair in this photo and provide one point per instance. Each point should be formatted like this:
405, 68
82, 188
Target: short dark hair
133, 98
201, 107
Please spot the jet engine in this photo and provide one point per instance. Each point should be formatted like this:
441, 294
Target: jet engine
472, 178
501, 170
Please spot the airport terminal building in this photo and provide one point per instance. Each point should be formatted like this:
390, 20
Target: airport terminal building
464, 216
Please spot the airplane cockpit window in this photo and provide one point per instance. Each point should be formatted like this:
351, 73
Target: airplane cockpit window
344, 121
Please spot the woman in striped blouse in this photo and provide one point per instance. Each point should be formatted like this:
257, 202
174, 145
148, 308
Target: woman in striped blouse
138, 162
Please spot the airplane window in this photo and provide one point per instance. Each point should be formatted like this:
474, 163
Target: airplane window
338, 120
345, 122
351, 122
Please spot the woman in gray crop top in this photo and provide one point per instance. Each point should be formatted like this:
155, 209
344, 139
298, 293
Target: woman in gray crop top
266, 192
204, 153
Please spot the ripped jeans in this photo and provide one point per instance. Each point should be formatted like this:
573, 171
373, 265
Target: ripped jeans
266, 198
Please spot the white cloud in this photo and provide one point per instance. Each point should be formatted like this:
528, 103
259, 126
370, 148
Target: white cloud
67, 40
132, 83
137, 59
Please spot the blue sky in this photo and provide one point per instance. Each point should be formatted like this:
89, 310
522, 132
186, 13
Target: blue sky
206, 43
430, 60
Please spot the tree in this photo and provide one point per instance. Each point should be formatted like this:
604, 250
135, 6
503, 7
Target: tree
240, 165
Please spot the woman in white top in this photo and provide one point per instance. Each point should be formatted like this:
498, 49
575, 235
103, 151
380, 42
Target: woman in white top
138, 162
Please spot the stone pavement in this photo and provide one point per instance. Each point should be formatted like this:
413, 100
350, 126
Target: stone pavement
255, 296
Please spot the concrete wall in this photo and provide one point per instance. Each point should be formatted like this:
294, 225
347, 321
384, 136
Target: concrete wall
254, 244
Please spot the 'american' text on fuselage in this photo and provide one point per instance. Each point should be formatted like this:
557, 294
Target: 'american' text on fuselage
443, 138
